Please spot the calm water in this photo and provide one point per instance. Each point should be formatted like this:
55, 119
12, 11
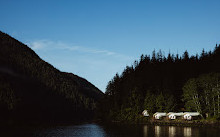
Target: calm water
97, 130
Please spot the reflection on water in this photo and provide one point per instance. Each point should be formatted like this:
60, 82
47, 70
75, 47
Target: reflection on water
172, 131
187, 131
145, 131
112, 130
157, 131
86, 130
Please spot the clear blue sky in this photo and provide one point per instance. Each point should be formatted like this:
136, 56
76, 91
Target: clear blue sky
95, 39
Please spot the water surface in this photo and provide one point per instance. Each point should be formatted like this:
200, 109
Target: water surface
115, 130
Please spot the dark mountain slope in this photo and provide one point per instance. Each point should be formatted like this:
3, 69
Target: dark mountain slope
31, 88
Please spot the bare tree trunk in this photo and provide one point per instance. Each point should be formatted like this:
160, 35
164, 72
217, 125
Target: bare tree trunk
207, 99
218, 98
197, 103
213, 99
209, 106
218, 102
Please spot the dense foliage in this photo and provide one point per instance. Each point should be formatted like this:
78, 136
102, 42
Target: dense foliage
202, 94
30, 88
156, 83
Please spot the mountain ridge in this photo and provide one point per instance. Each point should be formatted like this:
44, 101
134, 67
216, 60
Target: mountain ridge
40, 80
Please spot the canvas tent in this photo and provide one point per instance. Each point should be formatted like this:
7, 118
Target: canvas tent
172, 115
190, 115
145, 113
159, 115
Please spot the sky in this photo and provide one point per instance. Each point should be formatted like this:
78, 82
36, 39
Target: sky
96, 39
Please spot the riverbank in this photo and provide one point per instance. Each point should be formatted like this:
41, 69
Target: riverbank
196, 123
177, 122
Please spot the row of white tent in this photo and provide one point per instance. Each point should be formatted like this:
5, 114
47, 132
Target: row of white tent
173, 115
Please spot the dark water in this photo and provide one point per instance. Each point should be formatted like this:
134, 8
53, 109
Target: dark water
98, 130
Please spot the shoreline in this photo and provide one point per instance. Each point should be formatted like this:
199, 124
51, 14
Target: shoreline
196, 123
181, 123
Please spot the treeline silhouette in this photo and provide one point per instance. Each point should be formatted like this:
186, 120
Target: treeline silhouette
156, 83
33, 90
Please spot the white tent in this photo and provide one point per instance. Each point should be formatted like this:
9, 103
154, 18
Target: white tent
145, 113
172, 115
159, 115
189, 115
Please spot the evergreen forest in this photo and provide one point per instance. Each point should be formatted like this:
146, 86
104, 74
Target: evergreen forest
159, 83
33, 90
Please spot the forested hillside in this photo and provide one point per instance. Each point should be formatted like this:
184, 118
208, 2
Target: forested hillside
157, 83
32, 89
